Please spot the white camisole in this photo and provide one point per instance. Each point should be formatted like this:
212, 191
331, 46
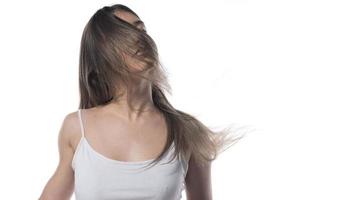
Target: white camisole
98, 177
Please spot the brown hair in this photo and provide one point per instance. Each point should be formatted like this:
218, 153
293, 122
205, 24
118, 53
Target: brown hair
106, 39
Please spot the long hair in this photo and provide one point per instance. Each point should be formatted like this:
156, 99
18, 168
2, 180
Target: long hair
106, 40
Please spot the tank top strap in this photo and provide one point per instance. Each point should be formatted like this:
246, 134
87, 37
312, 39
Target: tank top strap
81, 123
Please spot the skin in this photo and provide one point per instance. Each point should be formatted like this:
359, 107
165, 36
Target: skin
125, 139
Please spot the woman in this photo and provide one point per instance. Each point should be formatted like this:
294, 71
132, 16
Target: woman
126, 141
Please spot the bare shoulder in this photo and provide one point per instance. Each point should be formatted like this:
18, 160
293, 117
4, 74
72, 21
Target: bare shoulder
198, 181
70, 131
61, 183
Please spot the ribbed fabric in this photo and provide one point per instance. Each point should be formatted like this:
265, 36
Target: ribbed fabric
98, 177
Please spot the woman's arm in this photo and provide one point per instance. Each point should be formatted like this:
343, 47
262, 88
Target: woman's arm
61, 185
198, 181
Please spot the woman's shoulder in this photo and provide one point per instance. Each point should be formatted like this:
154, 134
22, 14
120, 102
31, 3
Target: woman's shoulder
70, 131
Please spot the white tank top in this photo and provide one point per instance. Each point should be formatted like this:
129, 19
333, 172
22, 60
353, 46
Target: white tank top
98, 177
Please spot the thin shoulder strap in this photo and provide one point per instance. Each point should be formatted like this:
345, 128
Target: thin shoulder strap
81, 123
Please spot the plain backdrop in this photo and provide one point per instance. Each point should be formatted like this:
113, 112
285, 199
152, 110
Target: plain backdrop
293, 70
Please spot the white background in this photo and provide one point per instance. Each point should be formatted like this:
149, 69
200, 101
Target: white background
292, 69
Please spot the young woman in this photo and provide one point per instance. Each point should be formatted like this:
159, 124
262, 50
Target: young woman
126, 141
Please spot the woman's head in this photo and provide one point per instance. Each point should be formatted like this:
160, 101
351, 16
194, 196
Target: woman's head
117, 55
